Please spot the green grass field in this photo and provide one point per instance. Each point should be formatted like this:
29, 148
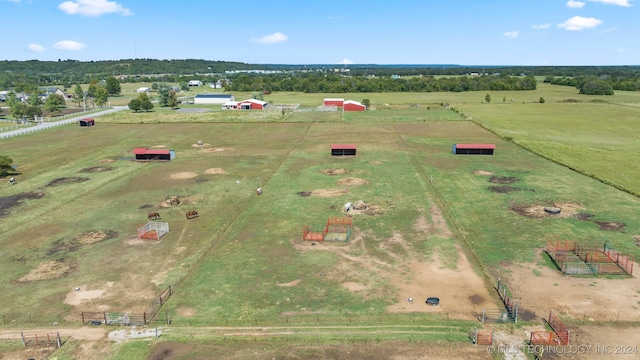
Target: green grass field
243, 263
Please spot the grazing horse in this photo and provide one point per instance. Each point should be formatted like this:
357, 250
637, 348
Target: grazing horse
153, 216
192, 214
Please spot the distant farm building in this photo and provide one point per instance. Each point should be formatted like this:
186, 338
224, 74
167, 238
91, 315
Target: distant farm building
351, 105
333, 102
143, 89
251, 104
473, 149
87, 122
213, 98
144, 154
194, 83
343, 149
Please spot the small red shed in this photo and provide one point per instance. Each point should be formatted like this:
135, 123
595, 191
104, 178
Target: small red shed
87, 122
473, 149
333, 102
144, 154
351, 105
343, 149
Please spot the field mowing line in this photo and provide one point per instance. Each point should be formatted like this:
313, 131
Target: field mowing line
220, 234
486, 274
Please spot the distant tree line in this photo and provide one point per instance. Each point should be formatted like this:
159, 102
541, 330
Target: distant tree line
317, 83
21, 75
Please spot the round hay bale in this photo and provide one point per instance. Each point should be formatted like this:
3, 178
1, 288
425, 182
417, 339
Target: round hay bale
552, 210
200, 143
360, 205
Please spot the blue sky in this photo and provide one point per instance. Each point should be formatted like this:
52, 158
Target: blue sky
465, 32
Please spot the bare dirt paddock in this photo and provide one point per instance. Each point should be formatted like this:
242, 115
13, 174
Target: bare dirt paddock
589, 299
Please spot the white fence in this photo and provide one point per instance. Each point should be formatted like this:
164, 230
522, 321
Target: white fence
48, 125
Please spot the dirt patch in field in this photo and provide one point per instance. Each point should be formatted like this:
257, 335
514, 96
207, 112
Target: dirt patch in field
96, 169
291, 283
375, 162
94, 236
362, 208
461, 291
159, 146
329, 192
503, 189
502, 179
540, 288
86, 293
567, 210
106, 161
333, 172
186, 312
216, 150
8, 202
611, 225
483, 172
66, 181
49, 270
352, 182
304, 193
183, 175
354, 286
215, 171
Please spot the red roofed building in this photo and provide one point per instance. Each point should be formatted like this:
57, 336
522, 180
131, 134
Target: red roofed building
333, 102
144, 154
351, 105
473, 149
343, 149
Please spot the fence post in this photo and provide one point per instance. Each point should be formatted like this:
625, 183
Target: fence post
483, 313
516, 311
475, 336
22, 338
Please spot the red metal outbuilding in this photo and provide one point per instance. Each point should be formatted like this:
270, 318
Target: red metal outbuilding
351, 105
333, 102
343, 149
144, 154
474, 149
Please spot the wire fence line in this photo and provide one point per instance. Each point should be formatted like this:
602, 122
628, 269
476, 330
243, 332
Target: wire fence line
48, 125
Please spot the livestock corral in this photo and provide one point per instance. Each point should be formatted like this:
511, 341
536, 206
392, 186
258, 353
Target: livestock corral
236, 276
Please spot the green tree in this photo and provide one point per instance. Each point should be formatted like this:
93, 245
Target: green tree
366, 102
53, 103
101, 95
78, 95
145, 102
5, 164
173, 99
164, 95
113, 86
135, 105
91, 92
596, 87
487, 98
541, 100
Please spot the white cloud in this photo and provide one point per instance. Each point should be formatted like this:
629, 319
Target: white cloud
35, 47
69, 45
511, 34
578, 23
346, 61
93, 7
625, 3
575, 4
271, 39
541, 27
